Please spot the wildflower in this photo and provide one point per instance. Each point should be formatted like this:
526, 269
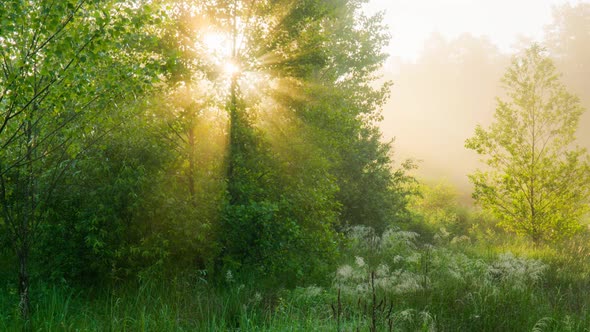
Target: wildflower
360, 261
406, 315
312, 291
515, 271
344, 272
382, 270
407, 282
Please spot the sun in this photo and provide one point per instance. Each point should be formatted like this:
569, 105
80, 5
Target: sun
230, 68
220, 50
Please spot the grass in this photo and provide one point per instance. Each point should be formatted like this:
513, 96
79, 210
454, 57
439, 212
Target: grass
155, 307
447, 286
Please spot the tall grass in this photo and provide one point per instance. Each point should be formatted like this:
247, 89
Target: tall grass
454, 285
396, 281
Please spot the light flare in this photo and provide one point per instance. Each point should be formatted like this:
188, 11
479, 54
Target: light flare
230, 68
218, 44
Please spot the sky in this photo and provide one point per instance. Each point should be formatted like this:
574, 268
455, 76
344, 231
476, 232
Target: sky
503, 21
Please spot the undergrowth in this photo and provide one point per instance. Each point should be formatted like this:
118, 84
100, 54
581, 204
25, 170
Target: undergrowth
396, 281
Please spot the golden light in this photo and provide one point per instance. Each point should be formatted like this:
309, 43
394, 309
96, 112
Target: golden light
219, 48
218, 44
230, 68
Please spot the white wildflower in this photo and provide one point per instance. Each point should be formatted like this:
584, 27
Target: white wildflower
360, 262
362, 288
517, 272
402, 240
407, 282
382, 270
312, 291
344, 272
383, 283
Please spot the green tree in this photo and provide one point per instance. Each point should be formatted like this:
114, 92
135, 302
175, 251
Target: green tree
343, 116
62, 65
269, 184
303, 149
537, 181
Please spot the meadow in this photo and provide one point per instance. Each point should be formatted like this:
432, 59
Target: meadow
449, 270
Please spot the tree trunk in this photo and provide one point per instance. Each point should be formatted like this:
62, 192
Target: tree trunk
233, 141
23, 281
28, 214
191, 164
233, 115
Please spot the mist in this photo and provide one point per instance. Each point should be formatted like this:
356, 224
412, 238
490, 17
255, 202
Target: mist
438, 99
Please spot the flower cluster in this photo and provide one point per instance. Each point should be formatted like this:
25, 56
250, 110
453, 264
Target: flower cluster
516, 272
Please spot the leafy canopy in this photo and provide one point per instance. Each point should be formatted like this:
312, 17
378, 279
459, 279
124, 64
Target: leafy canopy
537, 180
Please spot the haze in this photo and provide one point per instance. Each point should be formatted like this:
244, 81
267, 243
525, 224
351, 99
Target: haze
447, 58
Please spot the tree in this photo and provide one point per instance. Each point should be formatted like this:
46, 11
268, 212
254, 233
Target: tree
280, 198
344, 115
62, 66
245, 188
538, 182
303, 145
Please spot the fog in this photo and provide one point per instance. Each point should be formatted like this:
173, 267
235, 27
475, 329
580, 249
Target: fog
438, 98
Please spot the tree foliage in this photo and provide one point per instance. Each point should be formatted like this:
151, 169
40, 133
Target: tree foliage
128, 150
537, 180
304, 154
62, 64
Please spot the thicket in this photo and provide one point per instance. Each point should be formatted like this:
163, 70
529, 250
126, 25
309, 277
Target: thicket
129, 152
